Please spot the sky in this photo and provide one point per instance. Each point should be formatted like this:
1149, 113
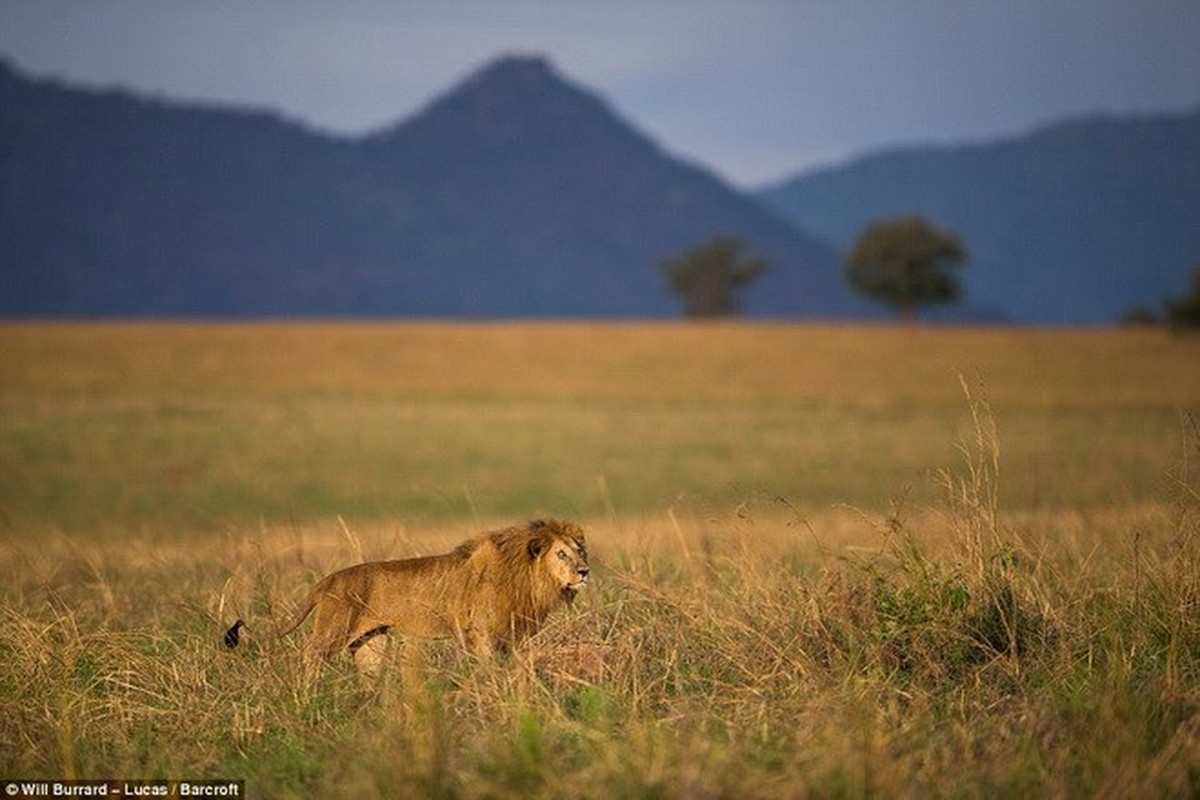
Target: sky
755, 90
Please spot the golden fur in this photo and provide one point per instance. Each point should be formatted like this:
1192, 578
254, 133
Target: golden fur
490, 592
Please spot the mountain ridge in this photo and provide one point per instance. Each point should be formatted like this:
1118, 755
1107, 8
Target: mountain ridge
515, 193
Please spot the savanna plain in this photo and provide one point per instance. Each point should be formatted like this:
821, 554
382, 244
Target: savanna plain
828, 561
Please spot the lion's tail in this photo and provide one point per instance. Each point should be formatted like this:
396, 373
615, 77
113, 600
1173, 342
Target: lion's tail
232, 637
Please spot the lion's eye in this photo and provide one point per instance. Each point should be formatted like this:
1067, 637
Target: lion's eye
562, 554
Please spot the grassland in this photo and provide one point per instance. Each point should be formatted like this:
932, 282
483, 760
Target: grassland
822, 569
199, 427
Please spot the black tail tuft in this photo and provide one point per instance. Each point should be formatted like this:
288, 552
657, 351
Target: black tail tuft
231, 635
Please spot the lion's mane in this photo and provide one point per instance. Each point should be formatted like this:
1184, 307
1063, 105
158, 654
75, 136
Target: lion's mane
515, 592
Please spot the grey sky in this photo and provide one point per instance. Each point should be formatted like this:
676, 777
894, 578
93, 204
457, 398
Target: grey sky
755, 90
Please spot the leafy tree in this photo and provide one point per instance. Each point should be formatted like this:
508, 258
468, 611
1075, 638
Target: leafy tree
906, 263
708, 277
1184, 311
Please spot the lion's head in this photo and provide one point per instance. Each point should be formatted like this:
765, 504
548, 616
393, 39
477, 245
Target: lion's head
544, 563
560, 550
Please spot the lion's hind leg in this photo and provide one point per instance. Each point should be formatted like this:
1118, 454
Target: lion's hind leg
370, 651
333, 623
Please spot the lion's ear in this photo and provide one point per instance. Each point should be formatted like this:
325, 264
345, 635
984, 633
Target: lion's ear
536, 546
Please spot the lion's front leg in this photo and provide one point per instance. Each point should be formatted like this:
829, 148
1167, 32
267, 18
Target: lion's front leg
486, 646
475, 639
482, 645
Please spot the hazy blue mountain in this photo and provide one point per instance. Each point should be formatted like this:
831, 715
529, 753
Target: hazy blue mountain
1072, 223
515, 194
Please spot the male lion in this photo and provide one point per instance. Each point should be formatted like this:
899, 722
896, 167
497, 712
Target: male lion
490, 593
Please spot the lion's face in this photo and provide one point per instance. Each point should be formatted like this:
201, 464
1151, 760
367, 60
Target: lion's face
564, 558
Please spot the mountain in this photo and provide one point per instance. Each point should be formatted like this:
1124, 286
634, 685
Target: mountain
516, 193
1072, 223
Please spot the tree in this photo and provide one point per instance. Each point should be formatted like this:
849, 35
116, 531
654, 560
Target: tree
906, 263
707, 277
1184, 312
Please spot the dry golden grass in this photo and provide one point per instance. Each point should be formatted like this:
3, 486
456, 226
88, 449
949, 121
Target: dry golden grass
803, 585
746, 655
660, 363
118, 426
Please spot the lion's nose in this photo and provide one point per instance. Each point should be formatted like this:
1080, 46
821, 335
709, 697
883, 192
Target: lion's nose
583, 571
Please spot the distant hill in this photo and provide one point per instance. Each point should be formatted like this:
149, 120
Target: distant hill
515, 194
1072, 223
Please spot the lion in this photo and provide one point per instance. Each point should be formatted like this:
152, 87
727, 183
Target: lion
491, 592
